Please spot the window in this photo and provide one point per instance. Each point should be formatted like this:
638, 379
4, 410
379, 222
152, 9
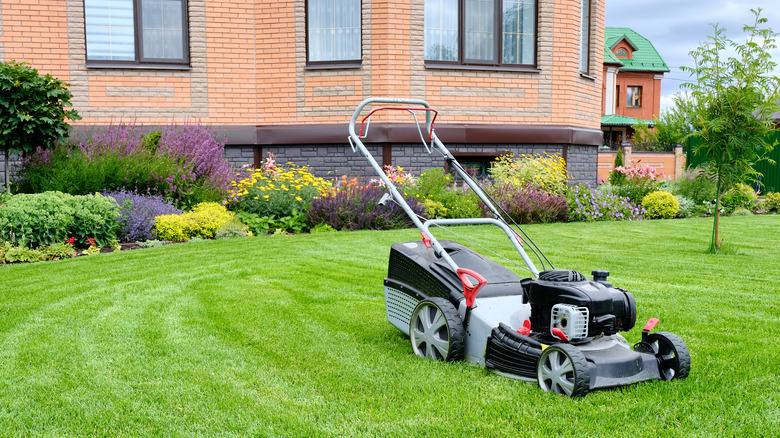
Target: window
333, 30
585, 37
622, 52
634, 97
481, 32
617, 96
137, 31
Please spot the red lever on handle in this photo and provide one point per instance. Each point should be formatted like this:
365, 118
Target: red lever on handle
469, 290
650, 324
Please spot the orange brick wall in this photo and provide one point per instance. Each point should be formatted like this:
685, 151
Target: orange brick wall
248, 68
671, 164
651, 94
35, 31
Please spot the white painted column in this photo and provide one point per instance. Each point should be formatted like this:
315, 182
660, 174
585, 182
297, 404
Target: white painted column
609, 92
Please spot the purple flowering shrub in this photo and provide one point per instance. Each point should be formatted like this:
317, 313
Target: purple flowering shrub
183, 164
589, 204
355, 208
529, 204
137, 213
201, 166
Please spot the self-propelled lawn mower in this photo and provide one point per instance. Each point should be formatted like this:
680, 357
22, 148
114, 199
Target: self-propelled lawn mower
556, 327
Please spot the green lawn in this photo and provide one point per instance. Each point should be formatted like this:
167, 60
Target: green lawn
287, 336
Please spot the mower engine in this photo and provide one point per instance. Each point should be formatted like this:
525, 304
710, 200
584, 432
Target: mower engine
564, 302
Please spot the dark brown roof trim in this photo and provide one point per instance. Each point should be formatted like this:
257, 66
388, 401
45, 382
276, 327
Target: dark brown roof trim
448, 133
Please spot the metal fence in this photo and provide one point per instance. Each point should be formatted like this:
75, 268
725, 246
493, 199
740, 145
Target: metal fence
771, 172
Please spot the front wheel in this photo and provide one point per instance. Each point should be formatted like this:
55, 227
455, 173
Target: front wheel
436, 330
674, 360
562, 369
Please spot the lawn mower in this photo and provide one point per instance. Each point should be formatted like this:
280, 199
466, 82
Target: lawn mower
555, 327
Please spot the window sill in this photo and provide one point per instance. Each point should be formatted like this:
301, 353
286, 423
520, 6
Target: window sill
335, 66
587, 76
437, 66
132, 66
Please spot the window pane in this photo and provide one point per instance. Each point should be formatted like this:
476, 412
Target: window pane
110, 30
519, 32
585, 37
334, 30
162, 30
634, 97
480, 31
441, 30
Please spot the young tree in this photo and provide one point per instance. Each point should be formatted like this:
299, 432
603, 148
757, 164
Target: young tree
32, 110
733, 98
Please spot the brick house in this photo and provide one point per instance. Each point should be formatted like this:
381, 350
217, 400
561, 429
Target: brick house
284, 76
632, 70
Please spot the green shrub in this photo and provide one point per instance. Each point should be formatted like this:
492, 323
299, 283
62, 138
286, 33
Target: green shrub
21, 254
153, 243
739, 196
617, 178
695, 186
94, 216
542, 170
43, 219
435, 190
234, 228
35, 220
772, 202
660, 205
295, 223
203, 222
741, 212
322, 228
687, 207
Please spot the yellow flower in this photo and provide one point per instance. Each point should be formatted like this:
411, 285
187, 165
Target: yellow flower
265, 196
298, 198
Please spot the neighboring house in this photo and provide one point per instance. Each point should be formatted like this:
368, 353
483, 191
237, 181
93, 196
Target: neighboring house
633, 70
522, 76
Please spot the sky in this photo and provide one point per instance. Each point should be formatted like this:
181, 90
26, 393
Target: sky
676, 27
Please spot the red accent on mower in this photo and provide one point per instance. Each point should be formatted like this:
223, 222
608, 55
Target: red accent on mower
558, 333
651, 323
470, 290
525, 330
426, 240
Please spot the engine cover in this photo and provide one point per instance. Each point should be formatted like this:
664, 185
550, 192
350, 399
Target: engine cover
609, 309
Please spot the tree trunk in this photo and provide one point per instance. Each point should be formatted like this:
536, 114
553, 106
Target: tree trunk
715, 245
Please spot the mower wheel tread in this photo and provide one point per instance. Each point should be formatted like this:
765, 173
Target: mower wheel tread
563, 369
674, 360
453, 327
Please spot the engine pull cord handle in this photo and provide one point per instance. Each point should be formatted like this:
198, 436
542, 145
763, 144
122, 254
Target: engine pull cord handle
651, 323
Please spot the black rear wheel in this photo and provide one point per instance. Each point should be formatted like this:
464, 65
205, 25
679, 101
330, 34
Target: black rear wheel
674, 360
436, 330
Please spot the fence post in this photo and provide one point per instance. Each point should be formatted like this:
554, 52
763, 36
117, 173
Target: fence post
627, 155
679, 161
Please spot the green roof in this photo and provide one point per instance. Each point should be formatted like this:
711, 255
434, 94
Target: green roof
616, 120
645, 57
610, 58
